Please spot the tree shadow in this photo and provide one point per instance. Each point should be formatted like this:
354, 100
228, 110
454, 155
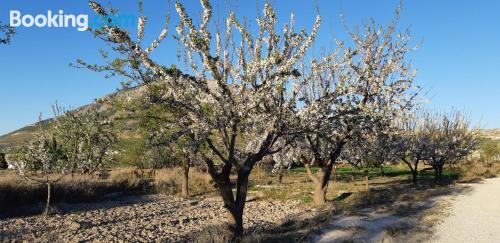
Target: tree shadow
65, 202
391, 212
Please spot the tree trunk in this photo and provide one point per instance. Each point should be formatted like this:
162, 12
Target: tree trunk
241, 198
47, 205
413, 169
185, 181
367, 183
382, 173
235, 223
335, 173
234, 206
260, 172
320, 192
414, 176
280, 176
440, 173
436, 174
234, 216
320, 181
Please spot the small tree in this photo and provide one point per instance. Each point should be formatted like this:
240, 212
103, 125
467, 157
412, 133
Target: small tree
43, 162
284, 160
372, 150
133, 152
411, 142
86, 137
183, 150
450, 139
375, 149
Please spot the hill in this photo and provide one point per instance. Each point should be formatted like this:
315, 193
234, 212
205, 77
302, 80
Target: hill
19, 136
26, 133
128, 129
491, 133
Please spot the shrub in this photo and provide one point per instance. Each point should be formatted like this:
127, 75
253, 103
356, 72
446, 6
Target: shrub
472, 171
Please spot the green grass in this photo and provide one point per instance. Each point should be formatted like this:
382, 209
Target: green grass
375, 172
388, 171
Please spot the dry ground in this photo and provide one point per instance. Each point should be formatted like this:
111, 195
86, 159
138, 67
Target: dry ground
153, 218
389, 209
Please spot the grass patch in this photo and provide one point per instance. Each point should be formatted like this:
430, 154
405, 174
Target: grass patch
374, 172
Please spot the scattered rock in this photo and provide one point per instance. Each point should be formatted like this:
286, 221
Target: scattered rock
74, 226
153, 218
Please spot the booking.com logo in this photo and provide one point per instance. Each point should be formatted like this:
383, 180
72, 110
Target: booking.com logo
60, 20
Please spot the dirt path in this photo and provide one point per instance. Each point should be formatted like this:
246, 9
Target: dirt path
474, 216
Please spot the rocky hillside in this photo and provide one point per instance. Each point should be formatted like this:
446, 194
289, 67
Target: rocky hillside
19, 136
491, 133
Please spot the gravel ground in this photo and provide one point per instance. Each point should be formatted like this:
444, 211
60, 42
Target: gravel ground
474, 216
142, 219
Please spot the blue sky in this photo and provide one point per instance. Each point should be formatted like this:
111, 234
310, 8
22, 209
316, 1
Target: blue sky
457, 62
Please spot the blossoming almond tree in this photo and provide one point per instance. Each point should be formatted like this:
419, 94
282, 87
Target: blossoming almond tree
351, 90
42, 162
235, 97
374, 149
450, 139
86, 137
412, 141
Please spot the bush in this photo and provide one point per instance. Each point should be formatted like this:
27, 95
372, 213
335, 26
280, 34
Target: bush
476, 170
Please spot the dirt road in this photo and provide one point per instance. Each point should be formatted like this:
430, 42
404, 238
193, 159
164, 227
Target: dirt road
474, 216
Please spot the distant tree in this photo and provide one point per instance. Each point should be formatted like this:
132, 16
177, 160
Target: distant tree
132, 152
42, 161
450, 139
284, 159
183, 152
435, 139
373, 150
6, 33
411, 141
167, 143
3, 162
